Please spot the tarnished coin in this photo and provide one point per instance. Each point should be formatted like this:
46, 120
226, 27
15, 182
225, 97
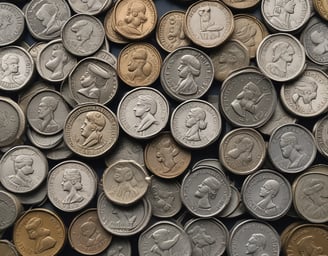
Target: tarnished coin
39, 232
242, 151
164, 197
170, 33
205, 192
321, 6
17, 68
125, 182
208, 23
195, 124
164, 237
286, 15
208, 236
12, 121
241, 4
139, 64
118, 246
248, 98
89, 7
123, 221
45, 19
111, 34
254, 237
281, 57
143, 112
165, 158
46, 112
291, 148
10, 208
12, 23
7, 248
187, 73
91, 130
135, 19
71, 185
249, 30
308, 95
321, 135
86, 235
267, 195
93, 80
54, 63
82, 35
23, 169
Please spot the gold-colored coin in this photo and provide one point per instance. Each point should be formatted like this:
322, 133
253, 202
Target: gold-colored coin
321, 6
111, 34
39, 232
139, 64
135, 19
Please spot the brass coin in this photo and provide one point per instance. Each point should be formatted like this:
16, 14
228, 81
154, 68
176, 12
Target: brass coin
321, 6
111, 34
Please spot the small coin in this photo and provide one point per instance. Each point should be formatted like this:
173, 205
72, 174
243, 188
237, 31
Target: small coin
34, 50
320, 135
60, 152
321, 6
111, 34
139, 64
233, 204
91, 130
241, 5
7, 248
44, 141
86, 235
106, 56
195, 124
118, 245
39, 232
143, 112
10, 208
71, 185
89, 7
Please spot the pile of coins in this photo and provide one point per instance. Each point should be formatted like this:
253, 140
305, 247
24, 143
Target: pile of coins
130, 128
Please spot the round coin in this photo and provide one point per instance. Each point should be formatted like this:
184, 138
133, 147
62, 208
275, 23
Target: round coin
7, 248
10, 208
118, 245
89, 7
321, 135
321, 6
241, 5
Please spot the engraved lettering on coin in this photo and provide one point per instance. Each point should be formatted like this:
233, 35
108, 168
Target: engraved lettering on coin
320, 40
164, 242
145, 110
268, 191
11, 69
42, 236
92, 130
195, 122
49, 16
139, 67
23, 167
166, 151
201, 241
282, 16
71, 182
256, 245
206, 191
57, 62
90, 234
242, 151
83, 30
209, 29
307, 246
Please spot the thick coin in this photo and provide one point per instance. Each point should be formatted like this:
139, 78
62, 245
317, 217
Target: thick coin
118, 245
233, 204
10, 208
143, 112
39, 232
106, 56
321, 135
195, 124
241, 4
60, 152
89, 7
44, 141
91, 130
71, 185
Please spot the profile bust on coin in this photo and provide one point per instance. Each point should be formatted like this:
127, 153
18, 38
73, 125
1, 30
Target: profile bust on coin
145, 109
91, 130
57, 62
195, 122
10, 65
23, 166
256, 244
207, 190
72, 184
49, 14
139, 67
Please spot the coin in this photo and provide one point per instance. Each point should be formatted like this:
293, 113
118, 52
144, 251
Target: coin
118, 245
44, 141
92, 120
233, 204
106, 56
10, 208
195, 124
34, 50
86, 235
7, 248
241, 5
320, 135
321, 7
60, 152
39, 232
71, 185
89, 7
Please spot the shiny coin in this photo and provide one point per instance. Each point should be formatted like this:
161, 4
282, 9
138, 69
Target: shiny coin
10, 208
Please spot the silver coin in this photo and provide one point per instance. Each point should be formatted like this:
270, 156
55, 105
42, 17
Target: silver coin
12, 23
281, 57
195, 124
187, 73
248, 98
35, 48
45, 19
308, 95
240, 210
66, 93
213, 162
10, 208
54, 63
208, 236
106, 56
24, 168
291, 148
71, 185
123, 221
83, 35
118, 247
60, 152
164, 238
164, 196
254, 237
143, 112
321, 135
205, 192
89, 7
267, 195
17, 66
93, 80
44, 141
233, 204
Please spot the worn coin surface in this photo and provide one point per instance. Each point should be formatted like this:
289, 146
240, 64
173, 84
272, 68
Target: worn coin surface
105, 55
89, 7
195, 124
320, 131
91, 130
39, 232
118, 245
44, 141
10, 208
241, 4
321, 6
143, 112
23, 169
71, 185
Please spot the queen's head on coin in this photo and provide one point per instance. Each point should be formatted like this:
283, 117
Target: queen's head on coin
72, 184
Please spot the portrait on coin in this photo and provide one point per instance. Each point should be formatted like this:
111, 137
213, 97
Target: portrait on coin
49, 16
93, 5
201, 241
71, 183
256, 245
209, 28
282, 15
10, 69
42, 236
126, 184
145, 110
268, 191
83, 31
23, 167
246, 34
162, 199
56, 63
164, 241
90, 235
139, 66
305, 93
92, 130
306, 246
320, 40
206, 191
242, 150
166, 152
195, 123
